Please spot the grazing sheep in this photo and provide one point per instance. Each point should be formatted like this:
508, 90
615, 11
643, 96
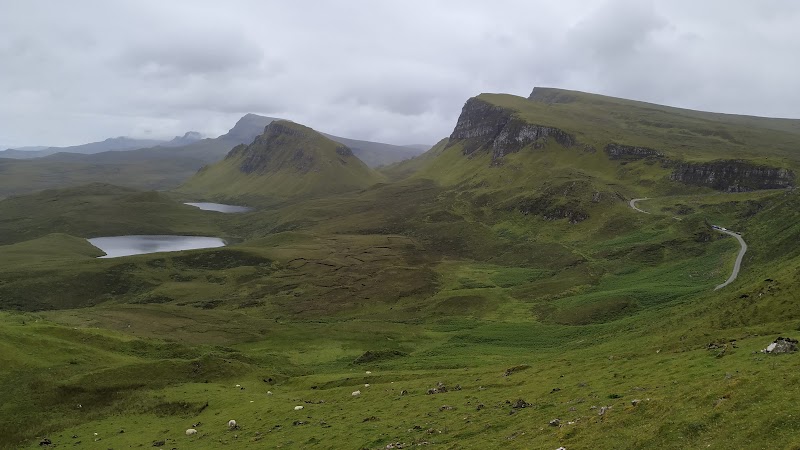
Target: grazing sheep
191, 431
366, 385
369, 373
232, 424
356, 393
269, 392
298, 408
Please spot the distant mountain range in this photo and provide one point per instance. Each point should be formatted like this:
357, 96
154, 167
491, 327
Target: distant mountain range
246, 129
147, 164
109, 145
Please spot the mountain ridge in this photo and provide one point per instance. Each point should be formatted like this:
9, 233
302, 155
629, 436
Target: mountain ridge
287, 160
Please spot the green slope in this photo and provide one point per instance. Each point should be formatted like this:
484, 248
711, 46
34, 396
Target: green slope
510, 270
97, 210
287, 161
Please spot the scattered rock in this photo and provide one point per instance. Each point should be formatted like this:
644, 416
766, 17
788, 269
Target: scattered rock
520, 403
439, 389
45, 442
370, 419
781, 345
480, 406
298, 422
159, 443
404, 392
555, 422
635, 401
603, 410
445, 408
555, 390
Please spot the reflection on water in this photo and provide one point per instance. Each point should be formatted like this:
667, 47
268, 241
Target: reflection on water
117, 246
220, 207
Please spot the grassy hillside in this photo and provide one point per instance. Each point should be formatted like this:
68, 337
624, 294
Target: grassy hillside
288, 160
510, 275
682, 134
19, 177
98, 210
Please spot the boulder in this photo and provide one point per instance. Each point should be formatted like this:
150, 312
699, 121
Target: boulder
781, 345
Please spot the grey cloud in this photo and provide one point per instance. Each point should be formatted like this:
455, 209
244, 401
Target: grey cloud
399, 71
178, 54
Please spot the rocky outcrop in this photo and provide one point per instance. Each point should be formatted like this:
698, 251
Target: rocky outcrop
733, 175
781, 345
483, 126
631, 152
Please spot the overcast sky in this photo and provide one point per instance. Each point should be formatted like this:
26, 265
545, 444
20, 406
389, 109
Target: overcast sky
395, 71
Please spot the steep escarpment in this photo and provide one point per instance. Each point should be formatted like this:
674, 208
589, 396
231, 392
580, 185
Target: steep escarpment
733, 175
287, 160
483, 126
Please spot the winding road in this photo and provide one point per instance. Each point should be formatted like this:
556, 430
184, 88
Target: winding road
737, 266
633, 204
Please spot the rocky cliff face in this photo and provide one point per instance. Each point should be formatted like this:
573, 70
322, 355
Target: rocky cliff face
483, 126
733, 175
630, 152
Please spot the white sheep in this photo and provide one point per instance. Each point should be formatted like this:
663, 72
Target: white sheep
232, 424
298, 408
366, 385
356, 393
269, 392
191, 431
369, 373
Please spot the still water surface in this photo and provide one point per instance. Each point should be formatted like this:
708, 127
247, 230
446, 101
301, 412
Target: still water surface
117, 246
220, 207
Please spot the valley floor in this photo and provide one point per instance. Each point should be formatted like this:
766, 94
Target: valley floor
459, 326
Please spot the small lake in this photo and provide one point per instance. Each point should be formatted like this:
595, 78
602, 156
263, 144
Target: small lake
117, 246
220, 207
